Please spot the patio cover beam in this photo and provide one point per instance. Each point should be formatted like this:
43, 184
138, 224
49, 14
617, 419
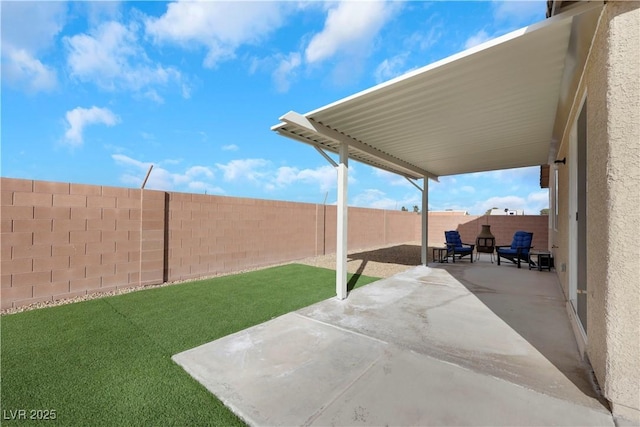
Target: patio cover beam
342, 229
326, 156
342, 223
424, 222
424, 219
310, 125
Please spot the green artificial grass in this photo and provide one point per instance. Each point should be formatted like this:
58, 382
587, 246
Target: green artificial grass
108, 361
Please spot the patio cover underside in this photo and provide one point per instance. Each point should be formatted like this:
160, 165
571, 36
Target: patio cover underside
488, 108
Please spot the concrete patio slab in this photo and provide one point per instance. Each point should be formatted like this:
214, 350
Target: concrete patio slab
464, 344
406, 388
282, 372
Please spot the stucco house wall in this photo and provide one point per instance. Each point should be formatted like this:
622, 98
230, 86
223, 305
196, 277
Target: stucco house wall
613, 174
611, 84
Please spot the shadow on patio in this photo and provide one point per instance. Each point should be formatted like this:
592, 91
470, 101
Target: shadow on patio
399, 254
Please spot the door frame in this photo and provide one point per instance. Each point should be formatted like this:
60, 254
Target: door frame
580, 332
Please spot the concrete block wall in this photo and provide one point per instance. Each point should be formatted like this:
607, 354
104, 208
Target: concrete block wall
401, 227
61, 240
213, 234
375, 227
502, 227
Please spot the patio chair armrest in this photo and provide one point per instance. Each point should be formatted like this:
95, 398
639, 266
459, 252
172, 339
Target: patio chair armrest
502, 246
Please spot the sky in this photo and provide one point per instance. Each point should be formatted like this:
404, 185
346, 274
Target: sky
96, 92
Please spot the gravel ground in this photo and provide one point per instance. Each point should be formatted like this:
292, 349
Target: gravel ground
374, 262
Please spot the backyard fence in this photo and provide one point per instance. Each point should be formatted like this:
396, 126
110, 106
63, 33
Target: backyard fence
62, 240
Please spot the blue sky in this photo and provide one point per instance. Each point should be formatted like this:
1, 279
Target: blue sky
95, 92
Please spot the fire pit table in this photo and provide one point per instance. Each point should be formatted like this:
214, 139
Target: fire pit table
485, 242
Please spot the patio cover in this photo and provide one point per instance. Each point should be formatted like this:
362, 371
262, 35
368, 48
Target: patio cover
488, 108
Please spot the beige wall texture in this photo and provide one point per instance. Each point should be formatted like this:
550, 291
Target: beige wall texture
613, 200
611, 84
66, 240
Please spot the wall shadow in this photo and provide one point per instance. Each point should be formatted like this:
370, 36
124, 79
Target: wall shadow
400, 254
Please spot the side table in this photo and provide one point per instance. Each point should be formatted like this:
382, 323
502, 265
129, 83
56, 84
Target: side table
440, 255
543, 259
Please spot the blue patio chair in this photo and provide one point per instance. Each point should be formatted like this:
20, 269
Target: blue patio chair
518, 250
455, 247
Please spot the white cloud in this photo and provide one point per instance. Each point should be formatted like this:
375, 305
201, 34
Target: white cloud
350, 28
186, 91
393, 178
21, 69
194, 178
446, 185
245, 169
221, 27
425, 40
531, 204
502, 202
519, 11
537, 201
508, 15
111, 57
79, 118
429, 34
153, 95
100, 11
285, 71
29, 28
348, 37
324, 176
468, 189
230, 147
32, 25
391, 67
128, 161
261, 173
377, 199
477, 39
194, 171
258, 172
